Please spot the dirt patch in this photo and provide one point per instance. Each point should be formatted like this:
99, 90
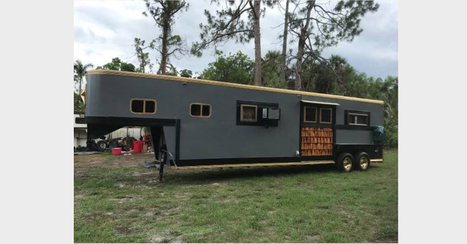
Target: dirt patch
313, 237
108, 160
146, 173
178, 239
162, 237
123, 230
218, 184
132, 211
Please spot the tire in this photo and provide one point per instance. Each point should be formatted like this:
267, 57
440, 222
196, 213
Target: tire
101, 145
362, 161
344, 162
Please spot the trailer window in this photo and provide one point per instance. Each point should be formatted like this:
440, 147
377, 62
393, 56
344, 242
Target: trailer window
325, 116
358, 119
200, 110
143, 106
150, 106
310, 115
248, 113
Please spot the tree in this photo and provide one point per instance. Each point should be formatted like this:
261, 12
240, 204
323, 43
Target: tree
332, 77
117, 64
272, 70
80, 71
163, 13
237, 68
317, 27
143, 57
284, 42
228, 24
186, 73
78, 103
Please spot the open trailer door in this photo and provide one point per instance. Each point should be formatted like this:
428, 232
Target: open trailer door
317, 135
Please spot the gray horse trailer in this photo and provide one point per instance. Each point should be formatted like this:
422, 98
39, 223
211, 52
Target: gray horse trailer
209, 124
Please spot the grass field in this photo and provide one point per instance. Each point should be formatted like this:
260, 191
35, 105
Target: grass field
117, 200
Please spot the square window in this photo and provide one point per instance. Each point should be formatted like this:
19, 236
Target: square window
248, 113
310, 115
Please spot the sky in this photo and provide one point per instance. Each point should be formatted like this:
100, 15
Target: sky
106, 29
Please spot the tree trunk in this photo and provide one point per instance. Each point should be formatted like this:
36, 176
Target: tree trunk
301, 47
298, 79
256, 16
284, 42
165, 37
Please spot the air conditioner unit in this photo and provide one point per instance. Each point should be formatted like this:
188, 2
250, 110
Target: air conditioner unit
271, 114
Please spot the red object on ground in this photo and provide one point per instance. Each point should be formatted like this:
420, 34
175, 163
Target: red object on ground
137, 146
117, 151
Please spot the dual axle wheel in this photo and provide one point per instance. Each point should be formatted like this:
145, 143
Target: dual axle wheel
346, 161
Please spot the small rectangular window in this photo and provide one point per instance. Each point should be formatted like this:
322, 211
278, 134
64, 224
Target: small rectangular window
358, 119
143, 106
325, 116
248, 113
310, 115
200, 110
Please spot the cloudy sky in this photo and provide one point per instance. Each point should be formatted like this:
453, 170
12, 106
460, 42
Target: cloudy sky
106, 29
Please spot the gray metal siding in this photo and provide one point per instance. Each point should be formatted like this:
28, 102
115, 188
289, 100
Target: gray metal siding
217, 136
354, 137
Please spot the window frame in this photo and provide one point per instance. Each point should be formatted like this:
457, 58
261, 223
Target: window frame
200, 116
321, 115
256, 113
349, 122
304, 114
144, 106
359, 112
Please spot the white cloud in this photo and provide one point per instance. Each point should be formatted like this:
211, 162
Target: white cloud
106, 29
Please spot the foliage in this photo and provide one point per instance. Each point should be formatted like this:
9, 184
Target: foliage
229, 23
186, 73
328, 27
171, 70
163, 12
117, 64
80, 71
143, 57
78, 103
315, 27
271, 71
236, 68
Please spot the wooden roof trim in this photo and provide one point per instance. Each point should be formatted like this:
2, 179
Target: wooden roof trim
228, 84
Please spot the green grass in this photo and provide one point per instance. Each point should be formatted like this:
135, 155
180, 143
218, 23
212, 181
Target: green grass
276, 204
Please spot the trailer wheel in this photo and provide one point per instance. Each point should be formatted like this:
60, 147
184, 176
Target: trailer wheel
362, 161
345, 162
102, 145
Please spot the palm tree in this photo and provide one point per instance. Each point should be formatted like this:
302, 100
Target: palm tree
80, 72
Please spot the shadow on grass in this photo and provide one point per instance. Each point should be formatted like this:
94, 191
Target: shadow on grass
220, 175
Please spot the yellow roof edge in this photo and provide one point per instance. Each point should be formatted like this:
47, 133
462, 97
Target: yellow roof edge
228, 84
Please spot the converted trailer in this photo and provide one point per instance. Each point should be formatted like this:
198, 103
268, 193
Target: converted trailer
206, 124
